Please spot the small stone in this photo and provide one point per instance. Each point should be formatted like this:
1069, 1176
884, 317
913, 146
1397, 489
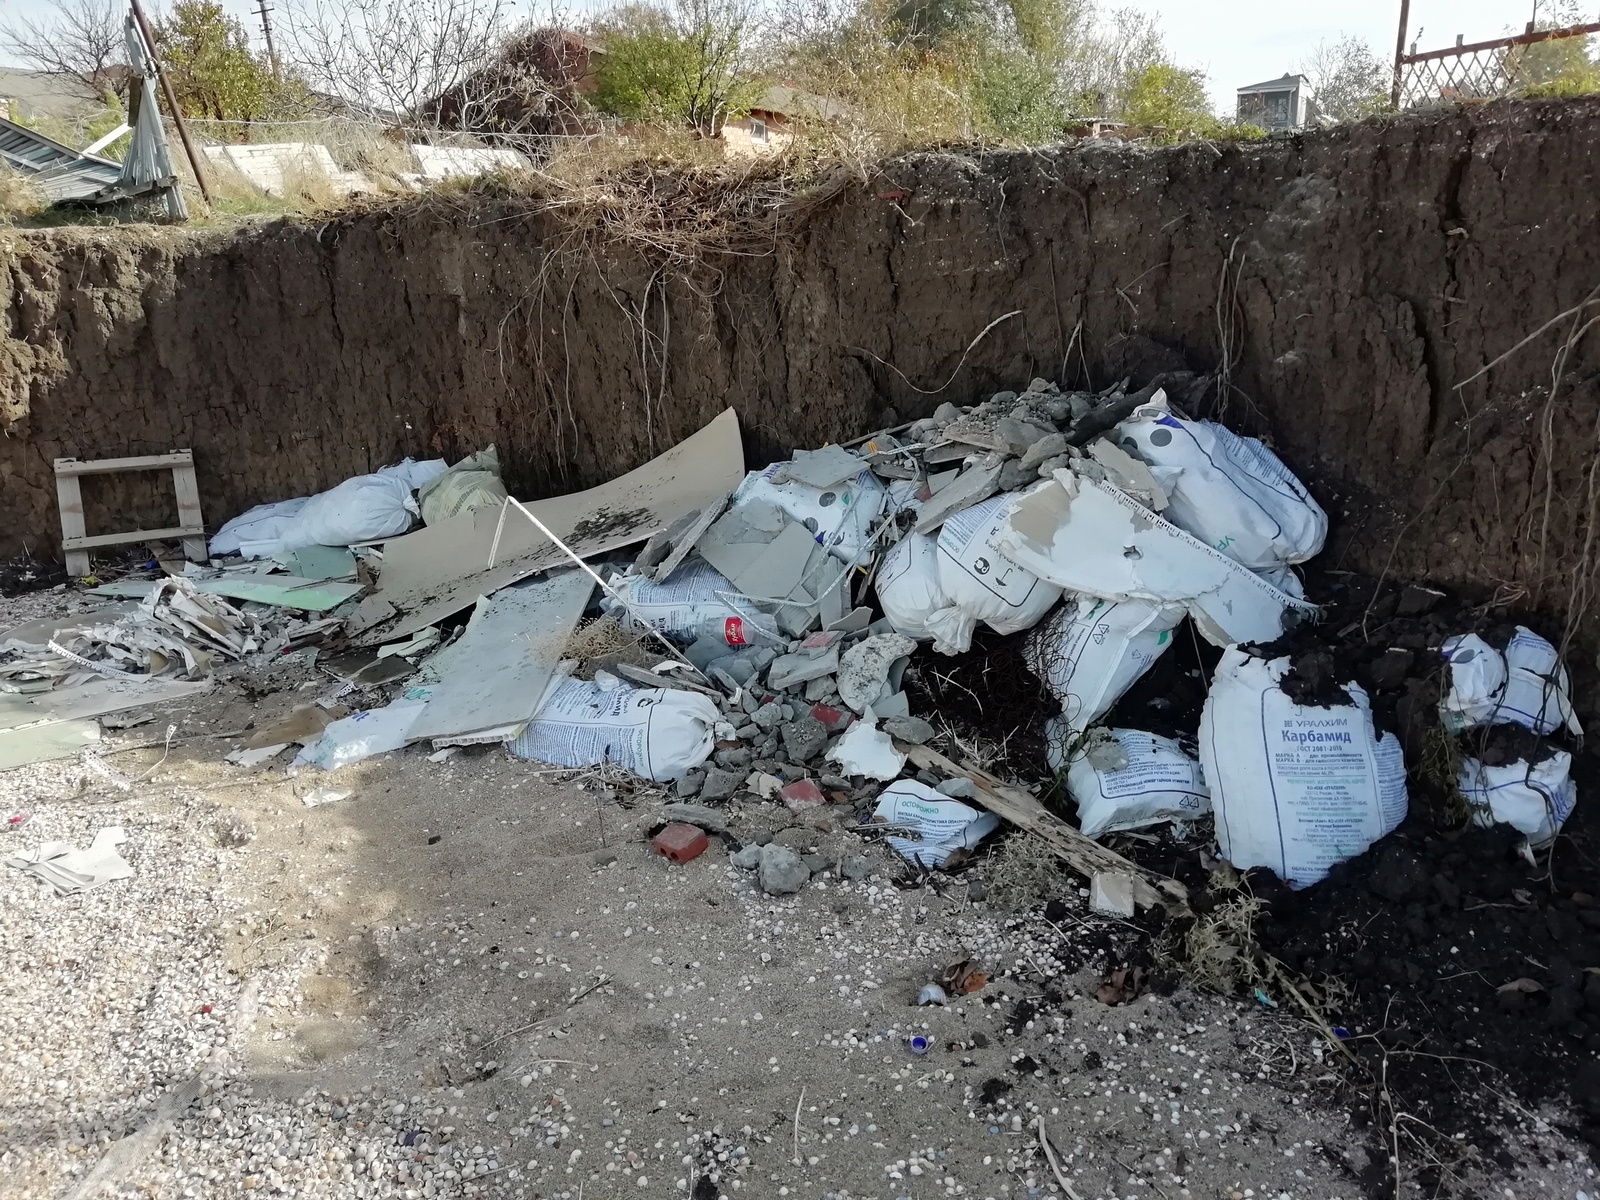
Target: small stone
748, 858
690, 784
1416, 600
783, 872
1050, 466
957, 789
768, 716
818, 864
908, 729
804, 737
734, 760
944, 414
604, 858
976, 890
720, 784
819, 689
856, 868
1018, 436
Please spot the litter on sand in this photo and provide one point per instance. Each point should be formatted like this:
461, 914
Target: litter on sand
68, 870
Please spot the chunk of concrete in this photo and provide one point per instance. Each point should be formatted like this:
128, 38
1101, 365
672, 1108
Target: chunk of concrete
977, 483
820, 468
957, 789
720, 784
804, 737
856, 869
782, 871
747, 858
908, 729
794, 669
1046, 447
689, 784
864, 668
709, 819
1018, 436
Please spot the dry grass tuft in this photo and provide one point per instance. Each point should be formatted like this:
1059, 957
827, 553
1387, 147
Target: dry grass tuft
602, 642
1219, 950
19, 197
1025, 872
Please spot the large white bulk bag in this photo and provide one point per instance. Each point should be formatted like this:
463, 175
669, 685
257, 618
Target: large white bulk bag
1231, 492
1535, 798
981, 584
1296, 788
363, 509
1089, 653
839, 517
258, 532
1134, 780
907, 584
659, 733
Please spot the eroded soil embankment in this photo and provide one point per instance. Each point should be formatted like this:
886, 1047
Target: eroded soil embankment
1356, 282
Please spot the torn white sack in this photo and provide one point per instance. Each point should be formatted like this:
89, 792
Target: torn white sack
839, 517
1095, 540
1526, 685
1089, 653
258, 532
658, 733
362, 509
981, 584
694, 599
1231, 492
1296, 789
939, 827
364, 734
1130, 780
1534, 798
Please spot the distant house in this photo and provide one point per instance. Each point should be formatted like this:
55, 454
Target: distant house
31, 95
771, 121
1276, 104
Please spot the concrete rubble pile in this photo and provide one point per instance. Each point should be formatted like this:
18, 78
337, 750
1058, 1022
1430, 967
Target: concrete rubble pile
774, 620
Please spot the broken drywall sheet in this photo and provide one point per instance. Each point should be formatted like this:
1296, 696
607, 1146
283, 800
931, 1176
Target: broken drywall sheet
496, 672
1093, 539
819, 468
46, 742
665, 551
285, 591
442, 569
92, 699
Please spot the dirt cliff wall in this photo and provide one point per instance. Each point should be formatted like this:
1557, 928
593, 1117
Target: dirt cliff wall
1353, 281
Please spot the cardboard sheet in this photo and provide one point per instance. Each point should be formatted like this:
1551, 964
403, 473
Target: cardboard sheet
496, 672
442, 569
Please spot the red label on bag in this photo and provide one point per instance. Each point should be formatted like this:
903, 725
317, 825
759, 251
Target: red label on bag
733, 631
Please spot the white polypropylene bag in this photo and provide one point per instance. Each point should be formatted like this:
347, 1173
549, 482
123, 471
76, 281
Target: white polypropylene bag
1526, 685
1090, 653
1296, 789
474, 482
1231, 492
659, 733
908, 584
1535, 798
416, 474
1094, 539
1155, 782
362, 509
682, 606
839, 517
257, 533
939, 826
979, 583
364, 734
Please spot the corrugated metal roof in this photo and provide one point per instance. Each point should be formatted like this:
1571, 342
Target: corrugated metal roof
59, 171
1274, 85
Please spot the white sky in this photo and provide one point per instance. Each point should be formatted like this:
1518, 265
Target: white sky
1236, 42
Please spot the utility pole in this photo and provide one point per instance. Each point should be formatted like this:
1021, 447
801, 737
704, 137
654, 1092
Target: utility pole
1399, 53
265, 13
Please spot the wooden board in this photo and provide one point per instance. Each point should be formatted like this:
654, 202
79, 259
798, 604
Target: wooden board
110, 466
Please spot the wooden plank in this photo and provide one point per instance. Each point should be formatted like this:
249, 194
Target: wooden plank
110, 466
1023, 810
133, 535
69, 497
188, 490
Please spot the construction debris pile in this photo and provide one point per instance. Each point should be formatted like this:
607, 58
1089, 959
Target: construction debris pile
765, 629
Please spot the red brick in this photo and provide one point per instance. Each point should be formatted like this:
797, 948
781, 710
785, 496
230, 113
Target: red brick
802, 794
680, 842
835, 720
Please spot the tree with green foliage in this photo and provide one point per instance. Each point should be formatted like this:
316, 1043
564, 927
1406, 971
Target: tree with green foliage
686, 65
1348, 81
1559, 67
1170, 99
209, 64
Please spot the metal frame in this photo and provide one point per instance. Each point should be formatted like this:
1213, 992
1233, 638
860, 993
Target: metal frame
76, 543
1487, 79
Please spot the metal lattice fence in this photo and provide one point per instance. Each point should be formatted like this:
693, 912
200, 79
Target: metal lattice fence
1489, 70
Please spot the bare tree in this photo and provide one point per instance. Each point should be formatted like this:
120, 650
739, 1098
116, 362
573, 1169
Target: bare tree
80, 39
391, 58
1347, 79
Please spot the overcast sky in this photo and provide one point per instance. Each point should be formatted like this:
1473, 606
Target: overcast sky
1236, 42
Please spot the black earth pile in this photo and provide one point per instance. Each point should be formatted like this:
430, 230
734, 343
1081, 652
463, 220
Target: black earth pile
1465, 976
